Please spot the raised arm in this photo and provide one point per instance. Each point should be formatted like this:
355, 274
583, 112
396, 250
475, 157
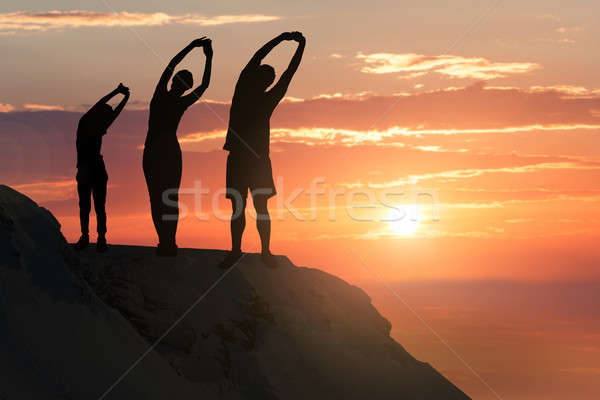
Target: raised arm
199, 90
106, 98
161, 86
266, 49
279, 89
125, 91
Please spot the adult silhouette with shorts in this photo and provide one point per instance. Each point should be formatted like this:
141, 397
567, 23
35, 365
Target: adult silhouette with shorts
248, 162
91, 173
162, 155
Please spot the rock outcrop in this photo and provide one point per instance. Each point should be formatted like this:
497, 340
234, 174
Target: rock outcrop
72, 325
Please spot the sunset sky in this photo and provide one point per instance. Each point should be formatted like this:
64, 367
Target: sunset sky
473, 125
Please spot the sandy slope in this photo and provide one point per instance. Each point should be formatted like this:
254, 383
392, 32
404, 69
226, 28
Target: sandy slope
71, 323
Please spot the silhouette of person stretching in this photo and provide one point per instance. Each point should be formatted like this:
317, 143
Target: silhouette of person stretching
91, 172
162, 155
248, 162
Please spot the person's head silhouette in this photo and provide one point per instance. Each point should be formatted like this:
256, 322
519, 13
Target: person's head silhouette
265, 75
104, 111
182, 81
101, 115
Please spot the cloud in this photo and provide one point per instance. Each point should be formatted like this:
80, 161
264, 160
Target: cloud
131, 105
5, 107
349, 137
225, 19
50, 190
331, 138
346, 96
42, 107
567, 29
43, 21
447, 111
394, 136
451, 175
569, 90
472, 110
292, 99
438, 149
518, 220
564, 30
474, 118
411, 65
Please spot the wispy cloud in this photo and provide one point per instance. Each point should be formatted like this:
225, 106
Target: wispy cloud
224, 19
411, 65
42, 107
474, 172
395, 136
5, 107
56, 190
569, 90
568, 30
518, 220
344, 96
43, 21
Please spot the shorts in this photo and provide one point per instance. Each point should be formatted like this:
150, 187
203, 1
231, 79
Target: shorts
249, 172
91, 173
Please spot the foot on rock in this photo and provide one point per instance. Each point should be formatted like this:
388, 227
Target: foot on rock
269, 259
231, 259
82, 243
163, 250
101, 245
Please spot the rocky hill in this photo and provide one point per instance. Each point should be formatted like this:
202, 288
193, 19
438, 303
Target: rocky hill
79, 325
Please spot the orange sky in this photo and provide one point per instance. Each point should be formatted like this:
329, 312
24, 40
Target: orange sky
510, 170
482, 119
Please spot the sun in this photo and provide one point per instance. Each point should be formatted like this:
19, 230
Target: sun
403, 220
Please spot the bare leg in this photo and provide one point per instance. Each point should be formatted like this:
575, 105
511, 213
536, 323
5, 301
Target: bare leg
99, 194
163, 177
263, 223
155, 201
153, 193
84, 191
169, 218
170, 203
238, 223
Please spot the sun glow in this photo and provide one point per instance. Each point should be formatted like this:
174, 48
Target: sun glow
403, 220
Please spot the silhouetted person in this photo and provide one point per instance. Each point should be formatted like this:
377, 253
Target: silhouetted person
162, 154
91, 172
248, 162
